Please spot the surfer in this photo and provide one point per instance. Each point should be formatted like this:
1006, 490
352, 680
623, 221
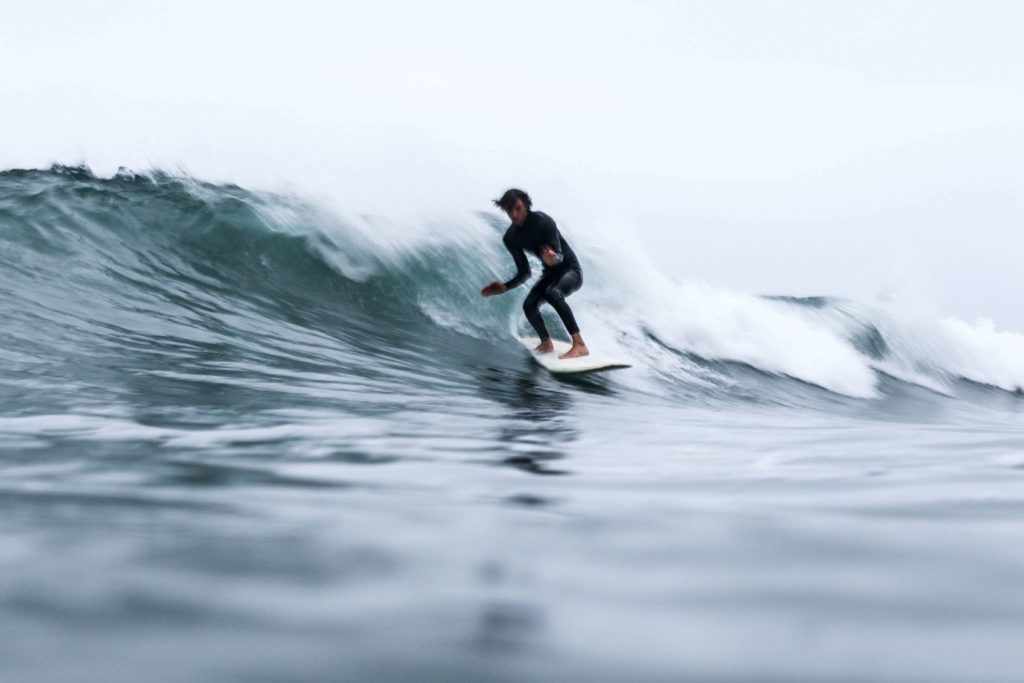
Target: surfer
562, 275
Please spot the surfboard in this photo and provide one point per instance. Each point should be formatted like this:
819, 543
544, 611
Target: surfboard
570, 366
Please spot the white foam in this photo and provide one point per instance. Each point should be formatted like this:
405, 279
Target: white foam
721, 324
948, 348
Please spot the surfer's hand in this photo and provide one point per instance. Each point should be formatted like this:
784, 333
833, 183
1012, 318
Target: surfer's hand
492, 288
548, 255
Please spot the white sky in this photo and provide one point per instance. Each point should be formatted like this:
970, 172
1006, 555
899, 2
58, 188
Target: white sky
775, 147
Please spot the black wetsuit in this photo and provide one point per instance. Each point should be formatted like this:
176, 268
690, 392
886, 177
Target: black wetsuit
556, 282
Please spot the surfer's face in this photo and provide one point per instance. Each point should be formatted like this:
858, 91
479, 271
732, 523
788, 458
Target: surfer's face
518, 212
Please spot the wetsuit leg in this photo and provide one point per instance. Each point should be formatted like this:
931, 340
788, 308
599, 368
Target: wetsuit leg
555, 293
531, 306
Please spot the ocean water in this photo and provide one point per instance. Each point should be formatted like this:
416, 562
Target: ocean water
245, 438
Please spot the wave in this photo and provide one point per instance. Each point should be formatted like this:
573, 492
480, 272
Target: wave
167, 274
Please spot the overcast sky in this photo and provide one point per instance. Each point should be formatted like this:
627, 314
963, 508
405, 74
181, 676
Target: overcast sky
788, 148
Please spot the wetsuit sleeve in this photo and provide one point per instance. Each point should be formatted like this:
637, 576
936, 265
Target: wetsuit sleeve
549, 236
522, 265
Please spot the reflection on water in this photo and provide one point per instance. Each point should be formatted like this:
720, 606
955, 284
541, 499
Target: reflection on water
537, 431
509, 626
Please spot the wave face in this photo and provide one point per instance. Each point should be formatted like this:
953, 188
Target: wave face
158, 285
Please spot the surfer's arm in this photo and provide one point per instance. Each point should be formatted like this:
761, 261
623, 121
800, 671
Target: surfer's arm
522, 265
550, 239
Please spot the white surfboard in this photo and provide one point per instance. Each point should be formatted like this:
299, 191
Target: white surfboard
570, 366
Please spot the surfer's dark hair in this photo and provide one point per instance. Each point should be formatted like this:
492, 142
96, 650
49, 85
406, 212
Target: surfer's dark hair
508, 200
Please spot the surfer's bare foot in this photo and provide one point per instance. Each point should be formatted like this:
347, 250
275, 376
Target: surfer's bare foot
545, 346
579, 348
577, 351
